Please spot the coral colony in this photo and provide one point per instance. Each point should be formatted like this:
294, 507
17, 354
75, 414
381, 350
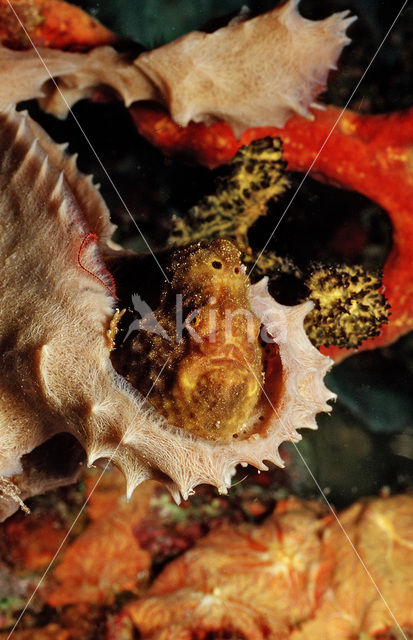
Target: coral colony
181, 381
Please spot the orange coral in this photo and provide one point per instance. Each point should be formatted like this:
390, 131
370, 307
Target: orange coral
294, 577
51, 23
106, 558
242, 580
106, 496
209, 145
382, 532
32, 543
369, 154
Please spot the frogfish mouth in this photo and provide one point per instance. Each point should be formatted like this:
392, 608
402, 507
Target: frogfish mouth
199, 357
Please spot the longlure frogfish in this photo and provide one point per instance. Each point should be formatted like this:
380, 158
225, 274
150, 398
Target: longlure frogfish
62, 402
212, 381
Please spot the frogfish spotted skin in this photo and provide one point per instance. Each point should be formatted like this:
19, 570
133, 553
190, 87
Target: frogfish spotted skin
211, 382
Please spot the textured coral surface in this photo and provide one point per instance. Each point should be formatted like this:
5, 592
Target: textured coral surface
105, 559
298, 573
50, 23
296, 576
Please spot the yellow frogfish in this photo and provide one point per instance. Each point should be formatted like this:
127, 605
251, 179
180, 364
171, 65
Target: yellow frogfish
198, 357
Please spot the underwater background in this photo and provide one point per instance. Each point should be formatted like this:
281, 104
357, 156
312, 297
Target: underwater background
365, 447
